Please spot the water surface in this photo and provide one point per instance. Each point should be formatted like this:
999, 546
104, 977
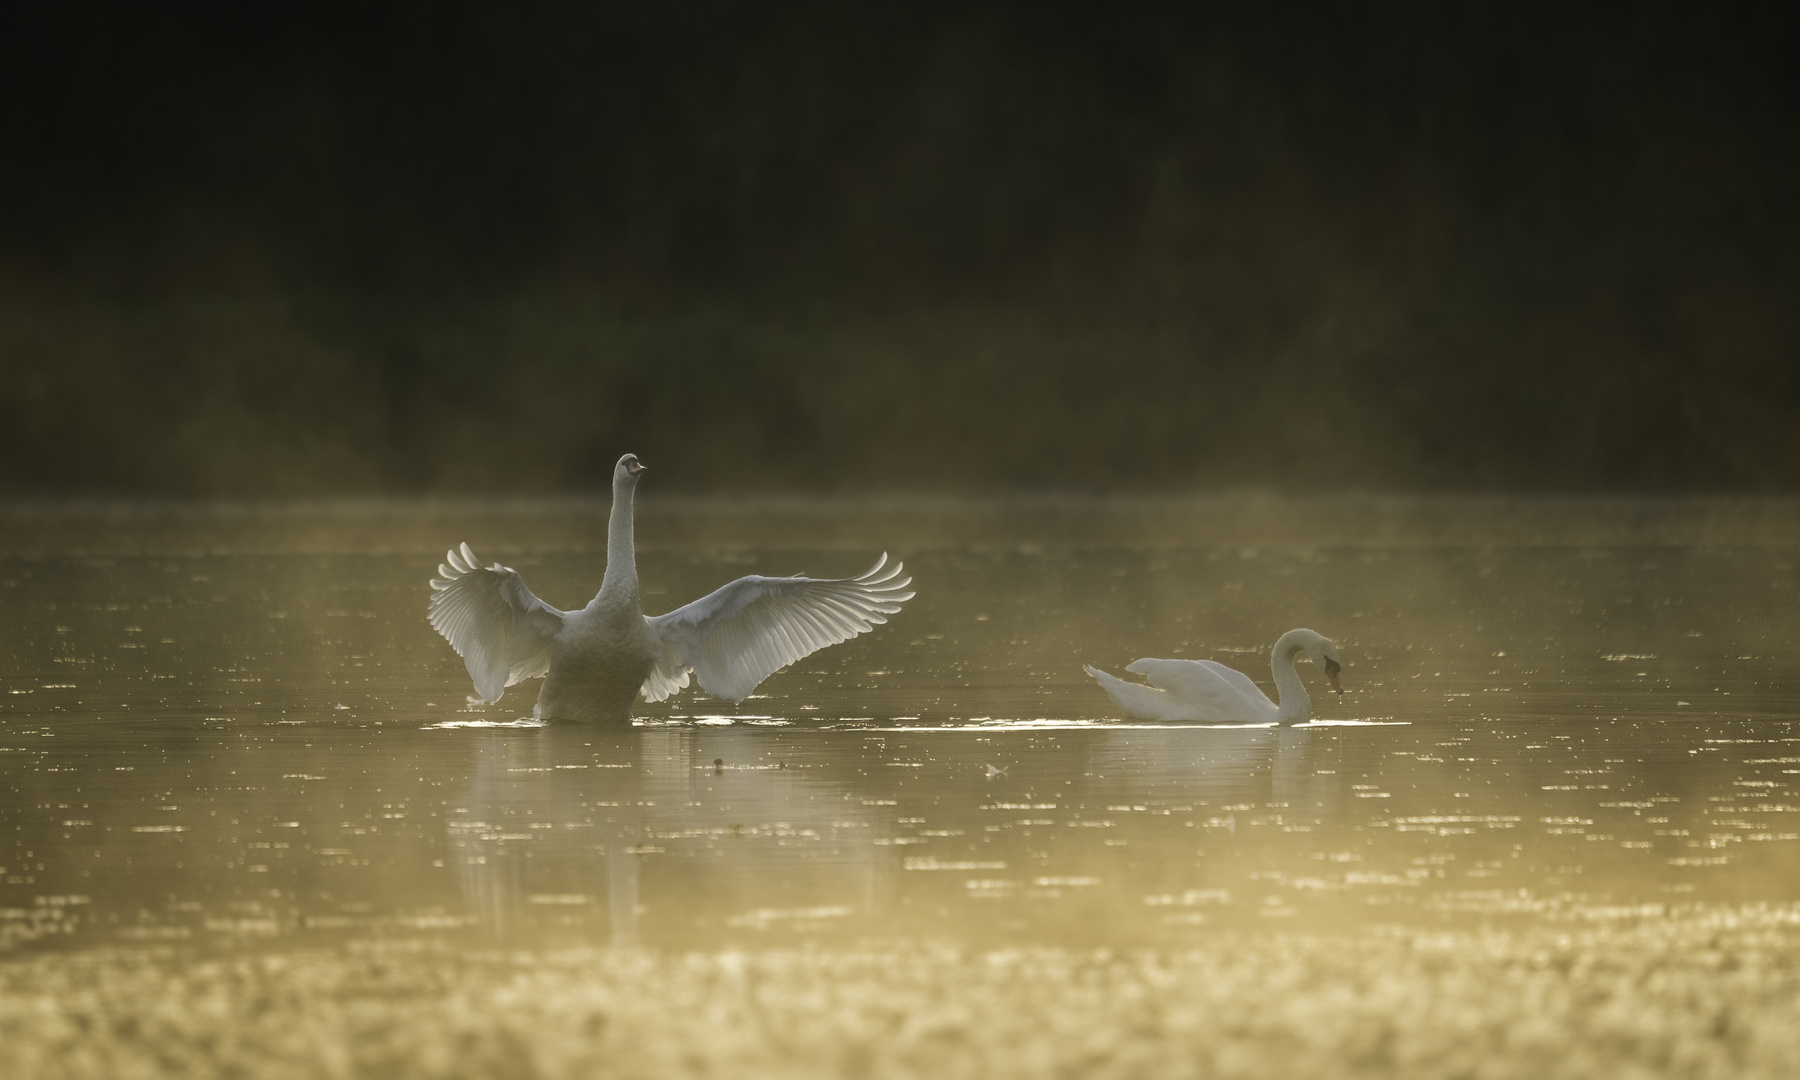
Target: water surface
219, 744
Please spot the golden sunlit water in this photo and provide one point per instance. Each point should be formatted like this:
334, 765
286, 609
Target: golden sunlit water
252, 824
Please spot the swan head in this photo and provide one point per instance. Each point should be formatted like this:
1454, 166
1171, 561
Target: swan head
628, 469
1324, 654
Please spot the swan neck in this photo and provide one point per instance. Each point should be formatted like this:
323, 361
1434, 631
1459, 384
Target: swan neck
1293, 705
621, 546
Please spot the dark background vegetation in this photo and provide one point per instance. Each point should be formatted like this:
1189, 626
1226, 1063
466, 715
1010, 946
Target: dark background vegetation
259, 249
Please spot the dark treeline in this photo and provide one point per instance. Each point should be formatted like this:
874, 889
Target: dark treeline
314, 249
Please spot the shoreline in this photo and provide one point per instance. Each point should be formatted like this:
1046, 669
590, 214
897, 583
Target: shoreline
1712, 993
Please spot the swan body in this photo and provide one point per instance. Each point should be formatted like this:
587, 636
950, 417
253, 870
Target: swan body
1201, 691
597, 661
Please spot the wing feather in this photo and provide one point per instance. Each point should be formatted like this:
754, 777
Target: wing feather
1203, 682
737, 636
502, 631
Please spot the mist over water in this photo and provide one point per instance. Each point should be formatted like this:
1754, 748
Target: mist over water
214, 745
230, 738
228, 732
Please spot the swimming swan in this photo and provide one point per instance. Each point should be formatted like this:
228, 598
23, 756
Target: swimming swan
1200, 690
596, 661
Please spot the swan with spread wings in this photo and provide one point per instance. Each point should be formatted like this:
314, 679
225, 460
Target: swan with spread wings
597, 661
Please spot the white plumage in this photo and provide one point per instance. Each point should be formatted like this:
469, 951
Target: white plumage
598, 660
502, 632
1202, 691
741, 634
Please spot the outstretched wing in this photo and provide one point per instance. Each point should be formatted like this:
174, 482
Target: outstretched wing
502, 632
1212, 686
755, 626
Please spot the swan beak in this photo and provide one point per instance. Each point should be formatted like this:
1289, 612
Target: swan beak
635, 467
1331, 672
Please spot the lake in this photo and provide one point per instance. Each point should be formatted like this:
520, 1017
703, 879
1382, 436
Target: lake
230, 743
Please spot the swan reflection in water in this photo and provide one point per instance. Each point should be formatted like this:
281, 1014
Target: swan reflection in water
1266, 764
697, 836
566, 831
